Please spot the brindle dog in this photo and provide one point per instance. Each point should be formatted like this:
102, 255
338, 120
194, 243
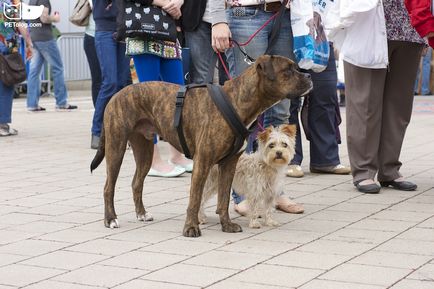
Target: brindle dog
138, 111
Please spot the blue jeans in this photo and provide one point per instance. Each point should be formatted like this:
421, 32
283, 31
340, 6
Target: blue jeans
243, 22
322, 119
203, 58
6, 96
95, 70
46, 51
426, 71
115, 69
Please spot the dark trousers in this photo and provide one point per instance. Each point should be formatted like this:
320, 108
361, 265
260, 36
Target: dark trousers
379, 106
322, 120
95, 70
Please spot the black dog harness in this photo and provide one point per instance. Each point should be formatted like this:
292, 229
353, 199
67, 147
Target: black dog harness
227, 110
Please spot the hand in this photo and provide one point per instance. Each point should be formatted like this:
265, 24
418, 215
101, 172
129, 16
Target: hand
220, 35
429, 35
29, 52
173, 4
175, 13
56, 17
174, 8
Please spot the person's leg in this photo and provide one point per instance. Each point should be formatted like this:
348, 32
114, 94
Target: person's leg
34, 78
426, 72
6, 100
322, 120
123, 67
364, 96
202, 56
95, 70
148, 68
397, 106
106, 49
51, 53
172, 71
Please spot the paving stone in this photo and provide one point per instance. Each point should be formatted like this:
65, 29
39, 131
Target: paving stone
388, 259
72, 236
327, 284
144, 260
32, 247
277, 275
425, 273
416, 247
97, 275
21, 275
59, 285
190, 275
64, 260
336, 247
289, 236
52, 212
361, 236
229, 283
374, 275
105, 247
180, 247
139, 283
259, 247
322, 261
407, 283
230, 260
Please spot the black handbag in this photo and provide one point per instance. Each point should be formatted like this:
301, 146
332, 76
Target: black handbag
144, 21
12, 69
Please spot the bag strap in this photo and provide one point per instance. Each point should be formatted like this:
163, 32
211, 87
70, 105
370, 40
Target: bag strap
276, 27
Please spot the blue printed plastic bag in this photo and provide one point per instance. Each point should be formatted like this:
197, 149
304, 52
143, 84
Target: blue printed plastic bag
311, 47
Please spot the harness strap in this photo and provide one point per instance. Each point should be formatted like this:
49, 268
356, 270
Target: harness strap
231, 116
178, 119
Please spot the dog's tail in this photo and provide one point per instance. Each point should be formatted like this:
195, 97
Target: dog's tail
100, 152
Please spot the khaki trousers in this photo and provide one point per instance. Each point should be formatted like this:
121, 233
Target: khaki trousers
378, 110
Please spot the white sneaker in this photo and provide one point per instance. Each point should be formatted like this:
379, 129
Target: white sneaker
294, 171
176, 172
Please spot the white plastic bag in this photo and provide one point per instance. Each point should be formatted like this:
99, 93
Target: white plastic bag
311, 47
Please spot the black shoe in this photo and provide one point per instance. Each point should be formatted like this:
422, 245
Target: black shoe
67, 107
367, 189
402, 186
94, 143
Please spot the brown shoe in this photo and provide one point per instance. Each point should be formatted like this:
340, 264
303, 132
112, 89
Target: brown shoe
337, 170
286, 205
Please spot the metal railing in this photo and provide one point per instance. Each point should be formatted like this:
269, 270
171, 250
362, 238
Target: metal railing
73, 57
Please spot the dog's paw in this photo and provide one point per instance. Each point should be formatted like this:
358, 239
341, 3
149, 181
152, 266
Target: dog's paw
272, 223
112, 224
231, 228
254, 224
191, 231
147, 217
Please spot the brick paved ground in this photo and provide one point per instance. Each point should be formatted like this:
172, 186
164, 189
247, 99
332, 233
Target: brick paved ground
52, 234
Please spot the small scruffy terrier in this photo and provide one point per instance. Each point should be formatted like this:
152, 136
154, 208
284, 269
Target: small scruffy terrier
259, 176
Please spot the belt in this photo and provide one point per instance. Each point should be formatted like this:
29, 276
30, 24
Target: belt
268, 7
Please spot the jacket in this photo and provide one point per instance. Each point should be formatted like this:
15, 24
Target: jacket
358, 31
421, 17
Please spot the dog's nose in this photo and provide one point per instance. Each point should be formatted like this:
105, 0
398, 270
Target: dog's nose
279, 154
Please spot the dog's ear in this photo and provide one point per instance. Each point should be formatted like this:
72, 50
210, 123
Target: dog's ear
264, 135
289, 129
264, 66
